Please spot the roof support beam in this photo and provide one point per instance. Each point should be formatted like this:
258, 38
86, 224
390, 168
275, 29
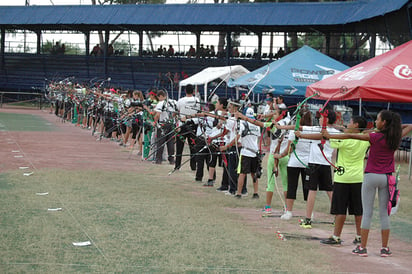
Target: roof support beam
197, 42
106, 46
372, 46
38, 33
3, 44
140, 33
87, 42
259, 56
228, 47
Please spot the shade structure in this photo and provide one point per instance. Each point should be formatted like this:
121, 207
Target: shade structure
291, 74
210, 74
384, 78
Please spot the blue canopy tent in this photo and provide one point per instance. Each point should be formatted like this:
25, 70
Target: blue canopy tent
291, 74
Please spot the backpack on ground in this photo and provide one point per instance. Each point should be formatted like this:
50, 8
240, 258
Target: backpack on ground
393, 201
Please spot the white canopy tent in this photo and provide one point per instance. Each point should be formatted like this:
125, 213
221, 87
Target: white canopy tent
212, 73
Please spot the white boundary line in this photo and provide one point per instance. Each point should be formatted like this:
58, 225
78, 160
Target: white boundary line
59, 200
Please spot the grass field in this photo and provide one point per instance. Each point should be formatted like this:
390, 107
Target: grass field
23, 122
148, 222
140, 223
136, 223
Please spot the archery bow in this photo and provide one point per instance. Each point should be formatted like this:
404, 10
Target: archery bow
254, 85
324, 112
297, 124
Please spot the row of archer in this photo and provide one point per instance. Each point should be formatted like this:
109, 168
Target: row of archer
293, 153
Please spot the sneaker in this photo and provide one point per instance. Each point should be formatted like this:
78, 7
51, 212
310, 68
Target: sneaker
385, 252
255, 196
209, 183
237, 196
198, 180
229, 193
245, 194
267, 210
357, 240
331, 241
307, 223
363, 252
221, 189
287, 215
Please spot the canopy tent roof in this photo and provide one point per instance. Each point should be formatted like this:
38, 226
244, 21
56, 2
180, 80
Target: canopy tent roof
213, 73
385, 78
291, 74
217, 17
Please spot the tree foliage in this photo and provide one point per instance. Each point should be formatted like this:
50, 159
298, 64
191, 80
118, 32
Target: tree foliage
47, 48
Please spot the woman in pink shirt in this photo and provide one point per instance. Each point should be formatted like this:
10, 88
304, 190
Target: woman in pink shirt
383, 144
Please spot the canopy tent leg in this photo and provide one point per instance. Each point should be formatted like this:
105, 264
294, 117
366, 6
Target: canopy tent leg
205, 88
410, 162
360, 106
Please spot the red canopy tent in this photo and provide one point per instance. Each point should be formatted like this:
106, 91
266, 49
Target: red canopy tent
384, 78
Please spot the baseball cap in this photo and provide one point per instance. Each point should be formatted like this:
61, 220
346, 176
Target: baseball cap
250, 113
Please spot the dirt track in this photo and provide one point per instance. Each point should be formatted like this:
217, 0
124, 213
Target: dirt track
72, 148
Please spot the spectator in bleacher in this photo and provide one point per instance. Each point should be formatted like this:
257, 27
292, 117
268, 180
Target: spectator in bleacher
170, 51
97, 50
207, 51
201, 51
235, 52
110, 50
280, 53
62, 49
160, 50
212, 51
56, 48
191, 52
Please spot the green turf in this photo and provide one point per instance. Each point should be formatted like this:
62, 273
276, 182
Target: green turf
138, 224
149, 223
23, 122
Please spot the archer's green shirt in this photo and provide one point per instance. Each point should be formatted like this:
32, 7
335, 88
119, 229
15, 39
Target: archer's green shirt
351, 155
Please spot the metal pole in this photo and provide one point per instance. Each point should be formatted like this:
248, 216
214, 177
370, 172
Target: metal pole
410, 161
360, 106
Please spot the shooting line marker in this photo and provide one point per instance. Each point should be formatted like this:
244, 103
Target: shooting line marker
86, 243
55, 209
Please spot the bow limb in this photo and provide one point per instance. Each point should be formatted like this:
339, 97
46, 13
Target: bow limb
324, 112
297, 124
257, 82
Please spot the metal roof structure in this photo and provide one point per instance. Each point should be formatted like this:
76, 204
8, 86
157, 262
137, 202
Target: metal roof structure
248, 17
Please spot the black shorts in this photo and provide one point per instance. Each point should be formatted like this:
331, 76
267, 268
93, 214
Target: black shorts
213, 156
248, 164
347, 197
293, 182
320, 176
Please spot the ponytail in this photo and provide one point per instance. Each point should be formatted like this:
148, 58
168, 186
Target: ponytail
393, 128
